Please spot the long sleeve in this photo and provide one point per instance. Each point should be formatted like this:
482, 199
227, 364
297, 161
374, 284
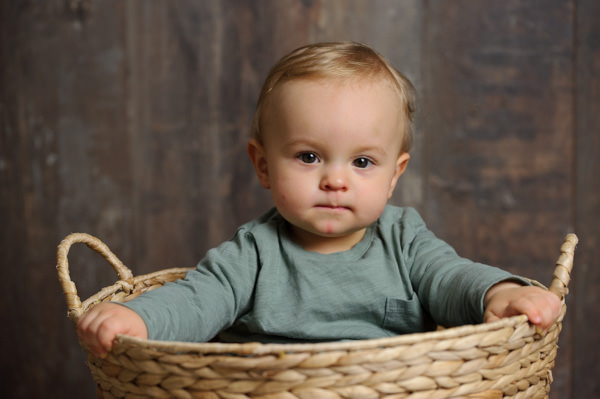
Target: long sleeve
450, 287
208, 299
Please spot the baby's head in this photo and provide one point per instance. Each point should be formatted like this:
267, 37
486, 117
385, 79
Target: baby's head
331, 136
337, 62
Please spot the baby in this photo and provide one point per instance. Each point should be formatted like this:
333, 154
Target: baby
332, 260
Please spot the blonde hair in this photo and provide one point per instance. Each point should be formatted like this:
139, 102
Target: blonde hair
337, 60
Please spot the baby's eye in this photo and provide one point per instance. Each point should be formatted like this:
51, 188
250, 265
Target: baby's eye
308, 157
362, 162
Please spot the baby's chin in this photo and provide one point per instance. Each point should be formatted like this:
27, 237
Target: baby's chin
327, 241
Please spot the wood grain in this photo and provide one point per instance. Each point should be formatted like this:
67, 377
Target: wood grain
586, 295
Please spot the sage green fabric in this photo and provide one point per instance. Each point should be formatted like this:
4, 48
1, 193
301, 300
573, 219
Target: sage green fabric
261, 286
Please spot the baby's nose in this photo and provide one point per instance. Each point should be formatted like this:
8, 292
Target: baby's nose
334, 179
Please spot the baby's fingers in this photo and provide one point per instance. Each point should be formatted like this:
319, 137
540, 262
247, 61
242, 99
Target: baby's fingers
97, 329
88, 333
528, 308
549, 308
106, 333
541, 308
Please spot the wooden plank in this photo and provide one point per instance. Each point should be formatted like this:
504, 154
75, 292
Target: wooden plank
67, 164
94, 152
585, 313
499, 144
27, 200
497, 104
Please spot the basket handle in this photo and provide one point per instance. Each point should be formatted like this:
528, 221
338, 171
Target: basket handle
564, 265
69, 289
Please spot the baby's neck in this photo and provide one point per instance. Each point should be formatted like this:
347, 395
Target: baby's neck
325, 245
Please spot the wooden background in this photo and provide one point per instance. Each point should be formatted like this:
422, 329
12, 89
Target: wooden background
128, 120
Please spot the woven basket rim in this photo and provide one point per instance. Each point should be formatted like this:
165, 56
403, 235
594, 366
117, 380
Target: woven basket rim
122, 342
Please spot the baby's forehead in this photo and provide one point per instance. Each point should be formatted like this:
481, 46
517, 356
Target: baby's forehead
370, 102
328, 82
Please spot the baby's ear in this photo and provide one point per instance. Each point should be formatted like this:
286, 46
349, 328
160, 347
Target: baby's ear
401, 164
257, 156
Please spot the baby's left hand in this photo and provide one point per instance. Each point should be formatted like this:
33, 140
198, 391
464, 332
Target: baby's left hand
507, 299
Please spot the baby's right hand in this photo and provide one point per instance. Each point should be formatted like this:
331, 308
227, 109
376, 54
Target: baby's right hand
99, 326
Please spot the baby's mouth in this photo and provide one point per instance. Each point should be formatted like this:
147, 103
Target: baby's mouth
333, 207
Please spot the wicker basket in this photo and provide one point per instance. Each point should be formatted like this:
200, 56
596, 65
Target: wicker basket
507, 358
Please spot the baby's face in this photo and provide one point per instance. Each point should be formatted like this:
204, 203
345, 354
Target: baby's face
332, 158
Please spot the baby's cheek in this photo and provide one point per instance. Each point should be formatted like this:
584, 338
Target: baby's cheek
283, 200
370, 214
378, 209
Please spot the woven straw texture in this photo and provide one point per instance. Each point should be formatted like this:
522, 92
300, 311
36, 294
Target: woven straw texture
503, 359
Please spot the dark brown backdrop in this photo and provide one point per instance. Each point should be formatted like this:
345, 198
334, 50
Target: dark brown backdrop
128, 120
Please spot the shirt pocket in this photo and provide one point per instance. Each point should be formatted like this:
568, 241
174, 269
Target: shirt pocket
406, 316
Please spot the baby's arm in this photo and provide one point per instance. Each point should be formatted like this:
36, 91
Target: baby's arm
507, 299
99, 326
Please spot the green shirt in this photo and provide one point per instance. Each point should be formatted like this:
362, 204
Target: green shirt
261, 286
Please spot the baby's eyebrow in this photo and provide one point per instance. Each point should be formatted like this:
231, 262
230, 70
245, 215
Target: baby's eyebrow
380, 151
303, 142
314, 144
